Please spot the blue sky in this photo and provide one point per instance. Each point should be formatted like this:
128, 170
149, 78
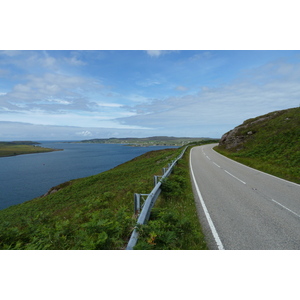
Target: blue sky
74, 95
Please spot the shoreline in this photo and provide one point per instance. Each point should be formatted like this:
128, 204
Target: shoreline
15, 150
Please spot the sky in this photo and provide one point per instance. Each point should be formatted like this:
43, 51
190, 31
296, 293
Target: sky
75, 95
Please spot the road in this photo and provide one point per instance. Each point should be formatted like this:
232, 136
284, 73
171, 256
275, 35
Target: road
243, 208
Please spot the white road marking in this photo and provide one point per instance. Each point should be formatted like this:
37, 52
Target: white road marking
210, 222
208, 157
235, 177
288, 182
216, 164
286, 208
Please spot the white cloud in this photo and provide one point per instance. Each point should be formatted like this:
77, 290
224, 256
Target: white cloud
107, 104
49, 90
84, 133
4, 73
154, 53
47, 61
137, 98
157, 53
181, 88
11, 53
148, 82
60, 101
18, 131
74, 60
268, 88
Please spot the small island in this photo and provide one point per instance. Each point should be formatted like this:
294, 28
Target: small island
22, 147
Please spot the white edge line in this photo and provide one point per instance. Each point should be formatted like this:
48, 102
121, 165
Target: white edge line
287, 181
210, 222
235, 177
286, 208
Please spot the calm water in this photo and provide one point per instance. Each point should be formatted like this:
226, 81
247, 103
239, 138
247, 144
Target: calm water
25, 177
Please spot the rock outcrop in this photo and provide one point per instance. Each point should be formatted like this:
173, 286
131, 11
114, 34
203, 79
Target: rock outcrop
235, 138
57, 188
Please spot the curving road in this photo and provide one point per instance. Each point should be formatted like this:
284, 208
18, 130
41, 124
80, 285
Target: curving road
243, 208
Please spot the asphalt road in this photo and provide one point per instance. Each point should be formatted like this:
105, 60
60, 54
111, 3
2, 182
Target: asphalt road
243, 208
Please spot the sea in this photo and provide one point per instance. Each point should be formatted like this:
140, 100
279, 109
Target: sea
24, 177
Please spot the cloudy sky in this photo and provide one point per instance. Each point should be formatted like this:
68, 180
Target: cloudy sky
74, 95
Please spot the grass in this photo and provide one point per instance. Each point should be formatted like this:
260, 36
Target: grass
274, 147
174, 223
11, 149
89, 213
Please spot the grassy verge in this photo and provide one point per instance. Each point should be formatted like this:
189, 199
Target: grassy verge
273, 145
89, 213
174, 223
285, 171
11, 150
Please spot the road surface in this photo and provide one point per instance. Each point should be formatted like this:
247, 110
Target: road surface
243, 208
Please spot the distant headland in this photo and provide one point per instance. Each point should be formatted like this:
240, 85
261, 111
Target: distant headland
22, 147
148, 141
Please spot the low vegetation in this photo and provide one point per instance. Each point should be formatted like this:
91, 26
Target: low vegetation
270, 143
96, 212
89, 213
22, 147
174, 223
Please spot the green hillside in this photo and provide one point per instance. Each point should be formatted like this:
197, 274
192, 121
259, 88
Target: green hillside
270, 143
96, 212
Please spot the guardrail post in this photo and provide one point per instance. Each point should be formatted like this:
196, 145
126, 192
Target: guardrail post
156, 177
137, 203
149, 202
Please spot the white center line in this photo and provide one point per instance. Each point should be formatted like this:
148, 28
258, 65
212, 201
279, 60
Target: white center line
216, 164
235, 177
286, 208
208, 157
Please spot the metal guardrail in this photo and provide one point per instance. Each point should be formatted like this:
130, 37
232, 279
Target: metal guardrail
149, 202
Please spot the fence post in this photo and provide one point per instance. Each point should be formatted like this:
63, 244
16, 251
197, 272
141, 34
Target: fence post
148, 203
156, 179
137, 203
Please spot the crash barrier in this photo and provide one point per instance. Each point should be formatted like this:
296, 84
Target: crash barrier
149, 201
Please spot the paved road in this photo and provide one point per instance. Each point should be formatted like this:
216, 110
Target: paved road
243, 208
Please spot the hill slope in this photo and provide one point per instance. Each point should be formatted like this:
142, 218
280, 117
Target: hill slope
96, 212
270, 143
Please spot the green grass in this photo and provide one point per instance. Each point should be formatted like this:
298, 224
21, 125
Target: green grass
274, 147
89, 213
7, 149
174, 223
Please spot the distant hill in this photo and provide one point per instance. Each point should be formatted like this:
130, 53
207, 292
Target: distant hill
148, 141
269, 142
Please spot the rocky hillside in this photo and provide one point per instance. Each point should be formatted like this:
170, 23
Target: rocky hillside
270, 126
270, 142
